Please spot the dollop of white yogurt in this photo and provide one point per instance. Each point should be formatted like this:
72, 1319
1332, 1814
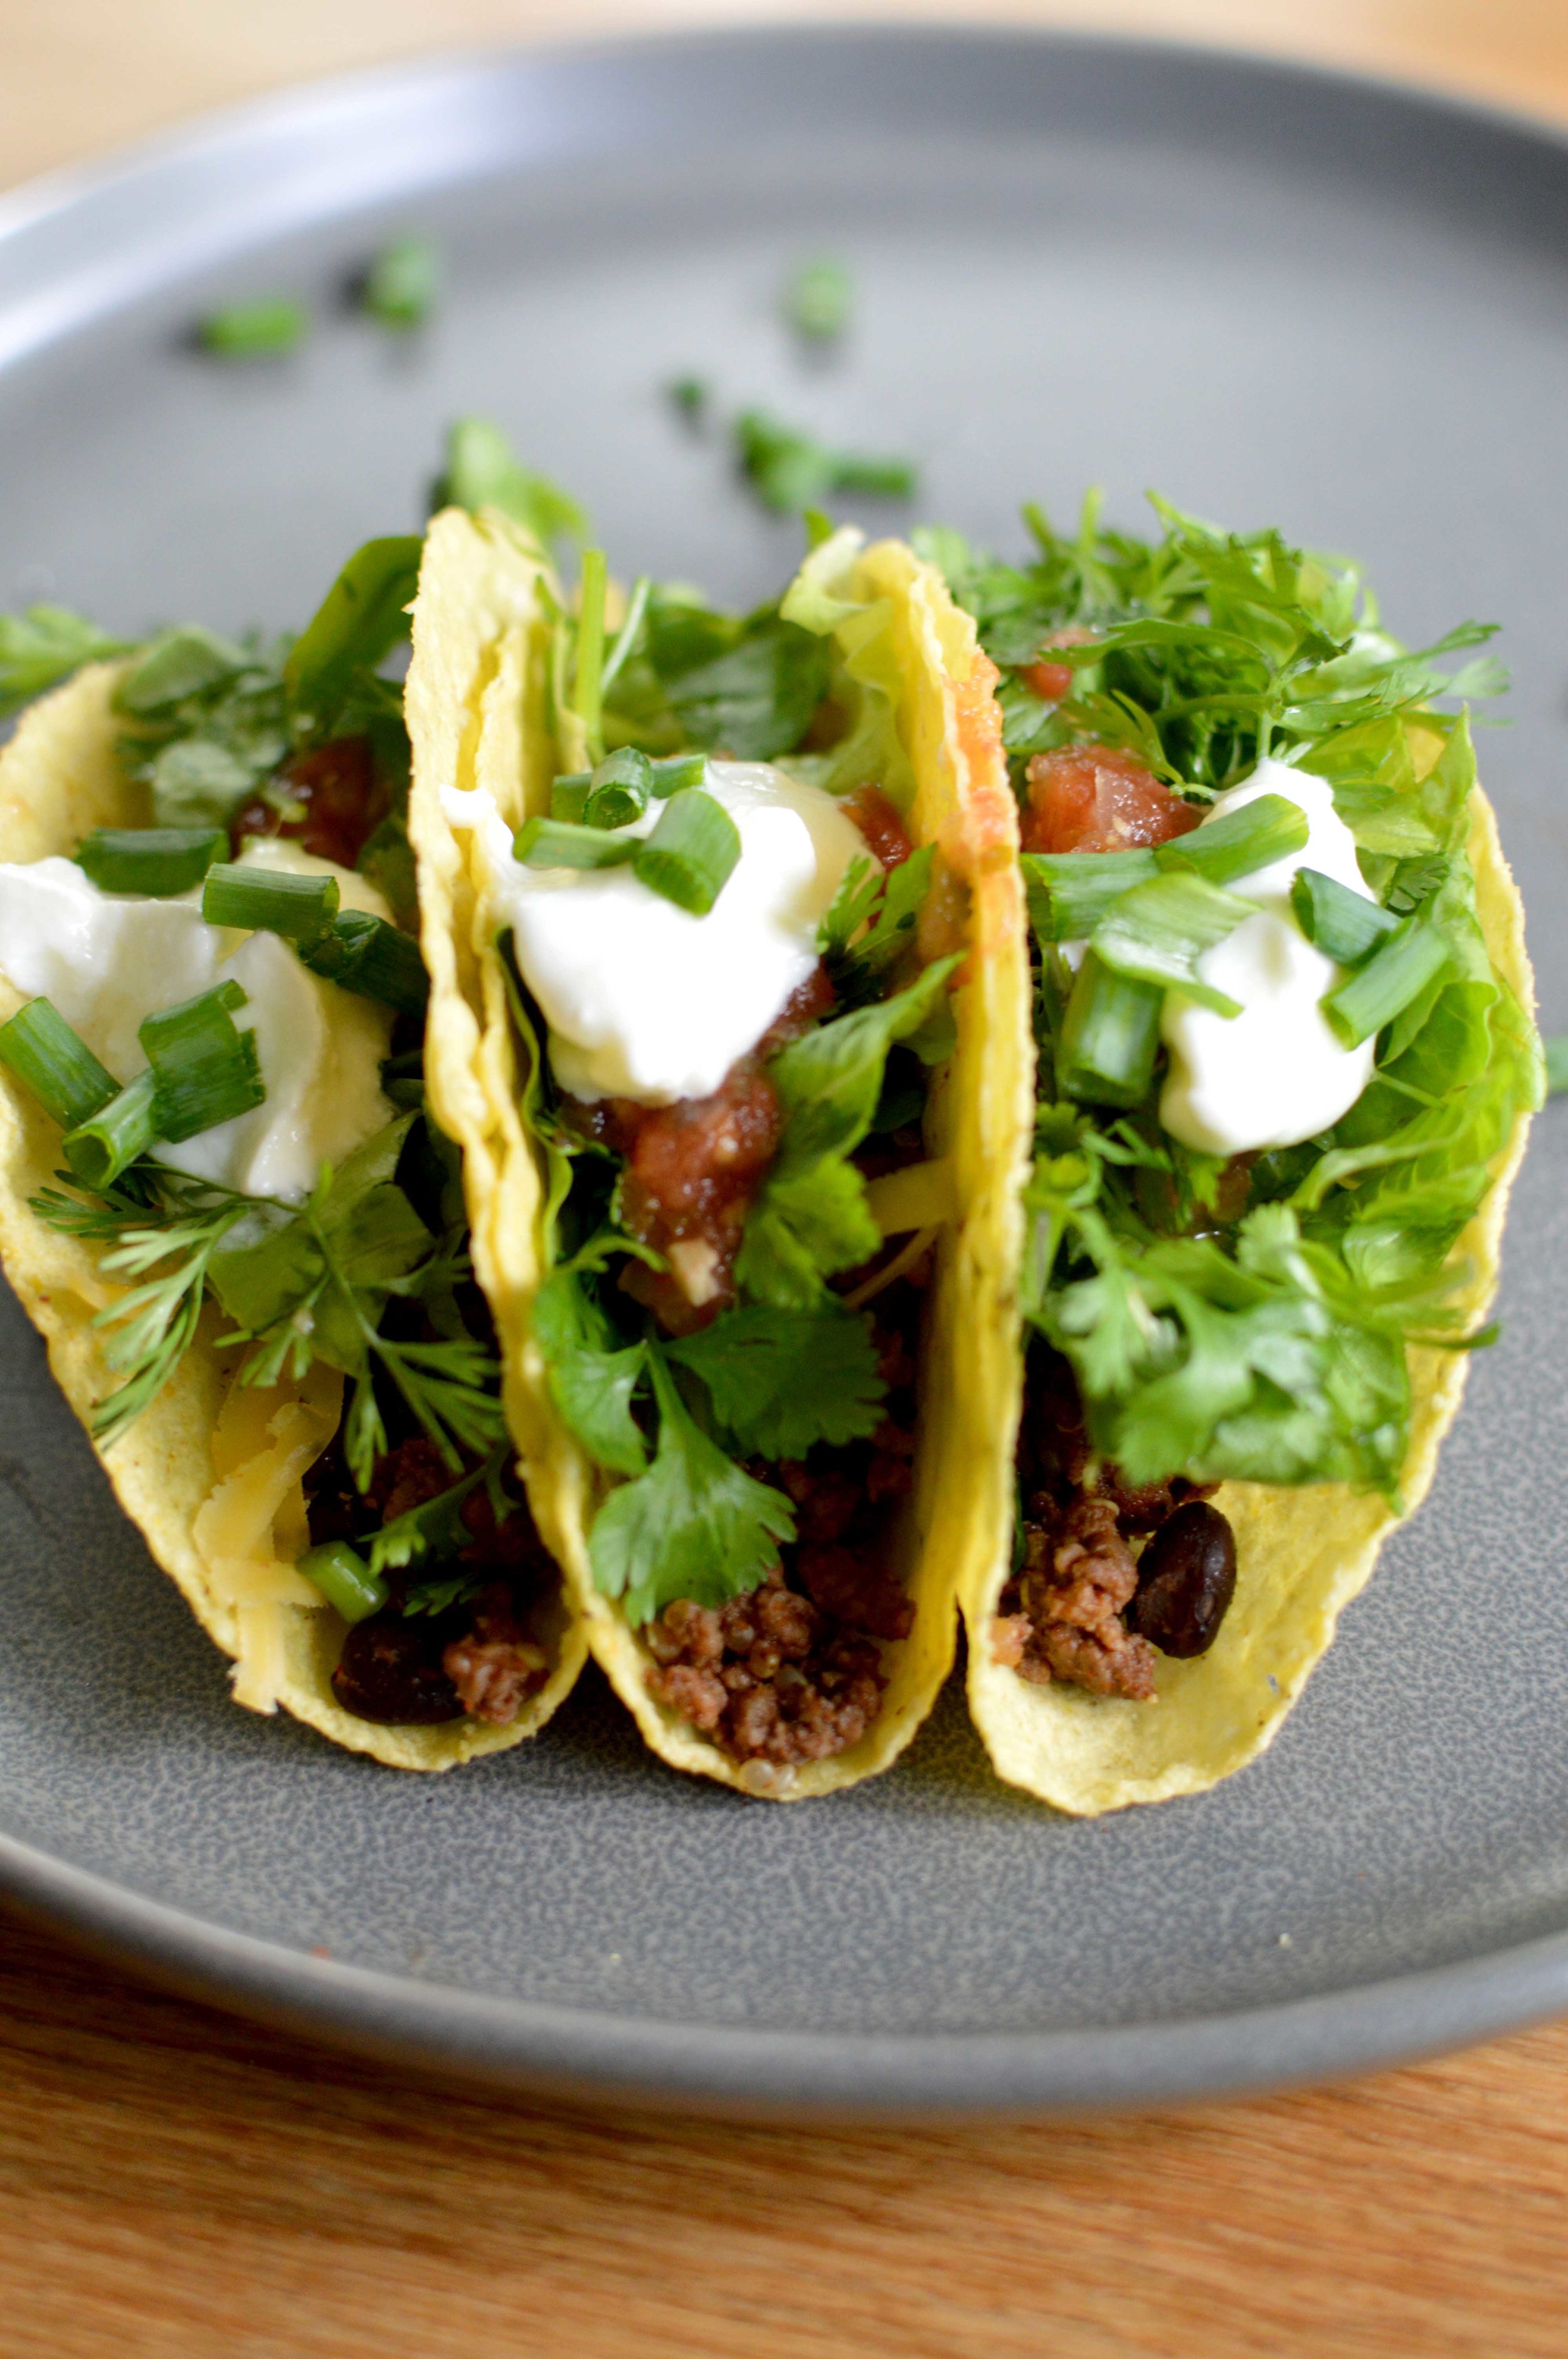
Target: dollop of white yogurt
108, 960
1275, 1074
642, 999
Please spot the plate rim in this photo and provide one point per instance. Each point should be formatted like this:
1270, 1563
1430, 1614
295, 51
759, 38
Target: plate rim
589, 2055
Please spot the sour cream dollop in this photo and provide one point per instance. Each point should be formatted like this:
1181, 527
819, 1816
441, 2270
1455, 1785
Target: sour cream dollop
1275, 1074
642, 999
107, 960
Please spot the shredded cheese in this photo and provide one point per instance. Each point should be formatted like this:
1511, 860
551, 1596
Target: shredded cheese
252, 1528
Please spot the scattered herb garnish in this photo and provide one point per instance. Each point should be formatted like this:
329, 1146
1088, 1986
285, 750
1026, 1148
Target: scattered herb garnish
483, 471
401, 284
692, 396
818, 299
256, 331
791, 471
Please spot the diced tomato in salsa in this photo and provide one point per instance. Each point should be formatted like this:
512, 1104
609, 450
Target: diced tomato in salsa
341, 802
1053, 680
880, 823
1099, 798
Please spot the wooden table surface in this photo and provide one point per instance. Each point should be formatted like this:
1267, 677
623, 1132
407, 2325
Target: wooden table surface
177, 2185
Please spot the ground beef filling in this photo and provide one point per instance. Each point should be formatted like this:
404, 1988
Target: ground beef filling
1062, 1616
482, 1658
794, 1671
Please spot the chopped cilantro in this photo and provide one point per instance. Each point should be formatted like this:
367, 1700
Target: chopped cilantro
791, 471
483, 471
45, 645
781, 1381
401, 283
695, 1525
818, 297
256, 331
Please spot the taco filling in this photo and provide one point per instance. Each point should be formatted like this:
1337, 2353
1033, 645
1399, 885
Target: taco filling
1283, 1059
249, 1253
729, 941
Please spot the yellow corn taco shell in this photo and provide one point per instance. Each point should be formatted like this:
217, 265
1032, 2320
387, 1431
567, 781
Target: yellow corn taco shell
478, 629
1302, 1554
210, 1473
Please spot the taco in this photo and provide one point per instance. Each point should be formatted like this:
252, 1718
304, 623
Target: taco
221, 1202
1286, 1069
721, 914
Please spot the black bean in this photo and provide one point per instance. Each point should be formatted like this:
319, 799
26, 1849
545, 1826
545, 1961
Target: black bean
390, 1671
1187, 1579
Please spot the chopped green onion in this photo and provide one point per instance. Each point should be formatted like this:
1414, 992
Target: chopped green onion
587, 686
636, 606
156, 861
344, 1579
668, 776
691, 853
1109, 1036
269, 900
362, 953
1157, 932
1070, 892
618, 789
569, 796
1223, 849
555, 843
206, 1069
577, 797
245, 332
1345, 926
57, 1066
400, 285
818, 299
1413, 955
99, 1149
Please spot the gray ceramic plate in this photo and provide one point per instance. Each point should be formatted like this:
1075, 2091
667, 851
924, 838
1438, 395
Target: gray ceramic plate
1275, 295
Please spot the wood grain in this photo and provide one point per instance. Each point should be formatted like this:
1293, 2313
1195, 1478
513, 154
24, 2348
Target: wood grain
176, 2185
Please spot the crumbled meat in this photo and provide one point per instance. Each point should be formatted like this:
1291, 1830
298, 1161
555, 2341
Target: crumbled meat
853, 1591
693, 1168
479, 1657
1099, 798
769, 1677
1063, 1614
330, 798
880, 823
1078, 1575
496, 1665
794, 1672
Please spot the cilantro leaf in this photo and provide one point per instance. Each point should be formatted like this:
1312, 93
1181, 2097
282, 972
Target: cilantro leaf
781, 1380
830, 1080
756, 698
892, 903
45, 645
483, 471
695, 1525
789, 469
591, 1383
803, 1227
363, 617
